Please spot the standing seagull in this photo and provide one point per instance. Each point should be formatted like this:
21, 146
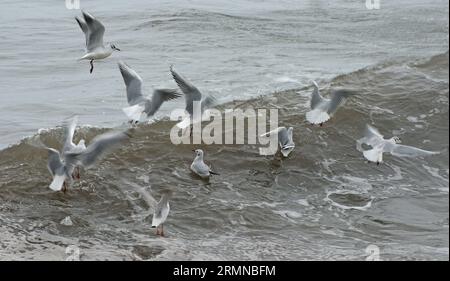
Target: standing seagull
199, 167
322, 109
94, 30
159, 209
161, 212
285, 139
380, 145
192, 94
60, 167
139, 104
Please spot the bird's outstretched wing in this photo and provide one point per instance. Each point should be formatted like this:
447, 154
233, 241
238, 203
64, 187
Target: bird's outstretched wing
98, 147
69, 128
338, 97
407, 151
316, 98
158, 98
133, 83
274, 132
191, 93
371, 137
84, 28
95, 31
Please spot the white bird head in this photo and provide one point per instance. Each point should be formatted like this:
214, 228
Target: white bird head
198, 153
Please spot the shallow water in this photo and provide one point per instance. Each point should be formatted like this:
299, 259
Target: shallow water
323, 202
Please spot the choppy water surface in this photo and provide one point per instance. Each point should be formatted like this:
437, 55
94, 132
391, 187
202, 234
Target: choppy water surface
323, 202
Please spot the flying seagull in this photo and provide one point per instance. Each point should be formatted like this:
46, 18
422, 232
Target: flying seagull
94, 30
138, 103
199, 167
380, 145
284, 138
192, 95
322, 109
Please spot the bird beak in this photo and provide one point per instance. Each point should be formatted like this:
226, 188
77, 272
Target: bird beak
118, 49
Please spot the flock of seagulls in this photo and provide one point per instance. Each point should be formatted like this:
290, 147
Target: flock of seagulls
65, 166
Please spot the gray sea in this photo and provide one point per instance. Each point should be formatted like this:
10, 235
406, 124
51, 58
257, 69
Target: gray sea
323, 202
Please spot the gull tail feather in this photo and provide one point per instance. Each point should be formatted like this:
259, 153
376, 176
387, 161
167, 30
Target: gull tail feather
156, 222
58, 182
134, 112
374, 155
317, 116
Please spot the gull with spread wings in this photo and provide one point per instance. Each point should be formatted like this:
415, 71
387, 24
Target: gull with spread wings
138, 104
380, 145
93, 31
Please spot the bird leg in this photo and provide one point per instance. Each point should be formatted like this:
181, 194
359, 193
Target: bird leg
162, 230
92, 66
378, 163
78, 173
321, 124
64, 188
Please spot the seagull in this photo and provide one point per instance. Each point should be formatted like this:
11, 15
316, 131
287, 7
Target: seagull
93, 30
159, 209
373, 138
69, 146
161, 212
60, 167
322, 109
285, 140
139, 104
191, 94
199, 167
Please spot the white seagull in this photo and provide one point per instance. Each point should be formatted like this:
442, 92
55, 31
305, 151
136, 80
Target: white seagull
373, 138
160, 210
199, 167
285, 139
138, 104
60, 167
192, 94
322, 109
94, 30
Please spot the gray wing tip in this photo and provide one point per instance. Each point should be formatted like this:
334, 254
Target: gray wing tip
122, 65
